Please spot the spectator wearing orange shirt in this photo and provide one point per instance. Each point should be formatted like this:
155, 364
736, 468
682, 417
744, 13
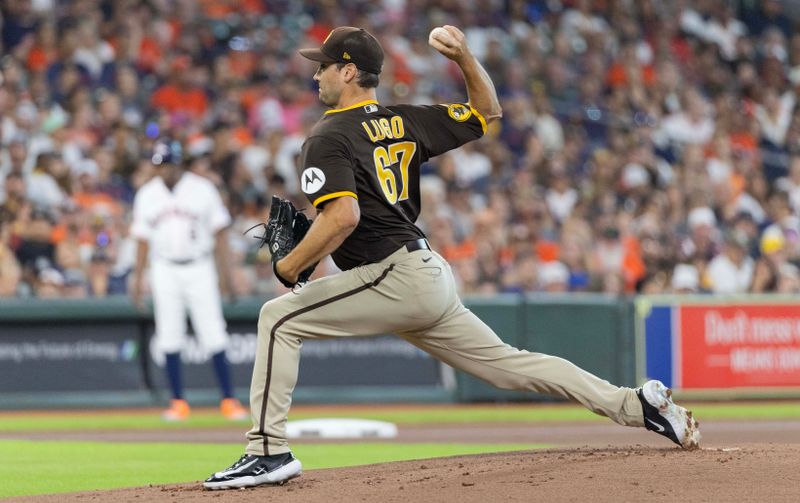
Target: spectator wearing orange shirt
180, 96
616, 262
88, 195
44, 50
628, 70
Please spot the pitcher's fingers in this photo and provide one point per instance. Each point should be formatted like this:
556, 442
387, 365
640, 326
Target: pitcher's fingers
455, 32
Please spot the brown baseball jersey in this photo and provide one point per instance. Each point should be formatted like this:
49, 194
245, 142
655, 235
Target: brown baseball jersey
373, 153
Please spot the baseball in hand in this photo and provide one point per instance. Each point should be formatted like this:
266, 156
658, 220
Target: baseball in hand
442, 36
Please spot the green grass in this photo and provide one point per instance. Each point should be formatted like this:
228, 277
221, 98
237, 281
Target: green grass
56, 421
749, 410
83, 466
61, 421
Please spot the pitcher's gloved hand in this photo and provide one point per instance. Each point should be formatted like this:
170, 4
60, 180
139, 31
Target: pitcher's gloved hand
286, 227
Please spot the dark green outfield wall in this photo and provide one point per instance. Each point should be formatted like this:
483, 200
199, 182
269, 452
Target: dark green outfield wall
65, 353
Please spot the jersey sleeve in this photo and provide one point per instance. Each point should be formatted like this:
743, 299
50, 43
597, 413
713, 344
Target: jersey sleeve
219, 217
327, 170
445, 127
140, 227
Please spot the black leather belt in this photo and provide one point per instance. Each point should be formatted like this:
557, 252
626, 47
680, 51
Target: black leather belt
419, 244
185, 261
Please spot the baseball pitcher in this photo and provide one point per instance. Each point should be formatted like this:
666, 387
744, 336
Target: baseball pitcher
361, 172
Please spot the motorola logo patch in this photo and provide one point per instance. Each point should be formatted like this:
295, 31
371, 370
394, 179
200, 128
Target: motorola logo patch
312, 180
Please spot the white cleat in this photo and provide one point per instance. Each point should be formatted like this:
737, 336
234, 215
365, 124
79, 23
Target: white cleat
252, 470
666, 418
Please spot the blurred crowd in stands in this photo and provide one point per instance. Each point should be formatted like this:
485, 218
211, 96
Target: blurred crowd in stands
646, 145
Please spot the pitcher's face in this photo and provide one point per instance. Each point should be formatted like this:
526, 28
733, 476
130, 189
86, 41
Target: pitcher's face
329, 79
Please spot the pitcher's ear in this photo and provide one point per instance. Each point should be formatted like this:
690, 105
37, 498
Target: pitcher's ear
350, 72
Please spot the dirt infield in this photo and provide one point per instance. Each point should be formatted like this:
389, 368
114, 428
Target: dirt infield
599, 462
750, 472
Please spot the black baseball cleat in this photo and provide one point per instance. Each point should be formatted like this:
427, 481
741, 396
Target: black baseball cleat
252, 470
666, 418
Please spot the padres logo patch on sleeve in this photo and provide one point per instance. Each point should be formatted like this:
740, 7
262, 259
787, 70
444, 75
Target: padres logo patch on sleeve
458, 112
312, 180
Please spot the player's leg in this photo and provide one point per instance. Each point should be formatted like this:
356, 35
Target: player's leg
462, 340
324, 307
359, 302
170, 324
465, 342
205, 312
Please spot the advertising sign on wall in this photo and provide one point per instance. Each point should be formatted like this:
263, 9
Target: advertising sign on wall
696, 345
104, 356
347, 361
745, 345
70, 357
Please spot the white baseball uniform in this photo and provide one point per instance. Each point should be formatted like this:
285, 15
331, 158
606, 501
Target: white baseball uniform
180, 226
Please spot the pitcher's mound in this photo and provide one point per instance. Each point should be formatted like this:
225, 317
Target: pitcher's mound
747, 472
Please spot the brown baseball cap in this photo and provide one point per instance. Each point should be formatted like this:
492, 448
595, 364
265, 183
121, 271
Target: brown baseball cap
347, 44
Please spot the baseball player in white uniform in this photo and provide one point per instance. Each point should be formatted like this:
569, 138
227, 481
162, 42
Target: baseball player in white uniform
180, 222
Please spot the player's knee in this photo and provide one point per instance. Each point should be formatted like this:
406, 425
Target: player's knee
166, 345
270, 314
266, 319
